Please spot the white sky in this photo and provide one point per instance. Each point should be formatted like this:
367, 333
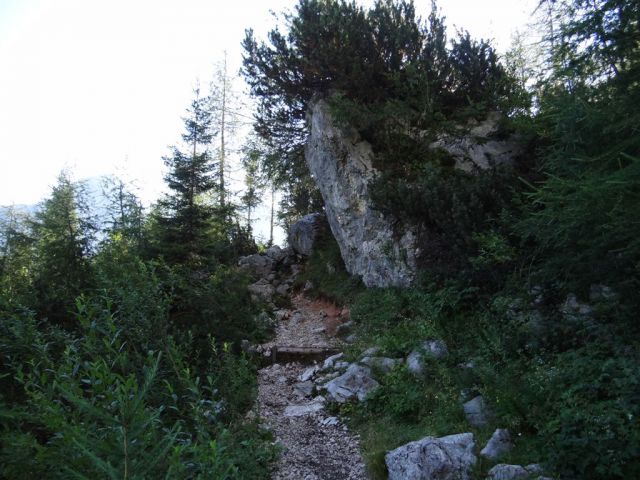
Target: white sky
100, 86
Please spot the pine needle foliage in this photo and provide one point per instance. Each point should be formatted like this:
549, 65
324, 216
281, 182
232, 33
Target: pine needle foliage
389, 73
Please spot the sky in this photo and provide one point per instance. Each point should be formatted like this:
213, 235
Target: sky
99, 86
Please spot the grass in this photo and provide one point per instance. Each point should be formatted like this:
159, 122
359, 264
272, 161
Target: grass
406, 408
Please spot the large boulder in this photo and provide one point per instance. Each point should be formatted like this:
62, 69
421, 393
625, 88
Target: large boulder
341, 165
262, 291
498, 445
354, 384
445, 458
304, 233
256, 265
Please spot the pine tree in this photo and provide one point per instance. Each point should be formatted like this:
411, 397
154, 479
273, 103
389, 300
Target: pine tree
185, 219
16, 254
394, 75
64, 233
125, 211
255, 182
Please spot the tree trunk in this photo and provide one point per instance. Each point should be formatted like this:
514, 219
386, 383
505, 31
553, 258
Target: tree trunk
273, 201
222, 128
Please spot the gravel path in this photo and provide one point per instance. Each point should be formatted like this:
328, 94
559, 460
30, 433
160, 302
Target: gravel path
315, 445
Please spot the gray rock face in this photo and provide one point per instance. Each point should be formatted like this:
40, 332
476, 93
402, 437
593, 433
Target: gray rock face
262, 290
507, 472
258, 266
355, 383
498, 444
314, 406
477, 411
341, 165
304, 233
445, 458
384, 364
475, 149
275, 253
431, 348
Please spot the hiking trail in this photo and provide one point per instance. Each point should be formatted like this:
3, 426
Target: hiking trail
315, 444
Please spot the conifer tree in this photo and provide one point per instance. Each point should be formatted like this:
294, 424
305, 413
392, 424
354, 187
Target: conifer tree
125, 212
185, 219
254, 183
16, 253
64, 233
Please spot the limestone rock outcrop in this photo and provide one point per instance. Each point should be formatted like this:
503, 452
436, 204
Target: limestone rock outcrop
476, 148
341, 165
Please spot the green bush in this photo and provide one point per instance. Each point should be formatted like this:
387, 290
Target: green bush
586, 227
451, 207
593, 426
103, 408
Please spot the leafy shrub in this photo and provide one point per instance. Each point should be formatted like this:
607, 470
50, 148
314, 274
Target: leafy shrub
214, 304
586, 226
593, 428
103, 408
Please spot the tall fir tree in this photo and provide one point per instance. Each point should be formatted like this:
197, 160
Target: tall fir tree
16, 254
64, 233
125, 214
254, 180
184, 218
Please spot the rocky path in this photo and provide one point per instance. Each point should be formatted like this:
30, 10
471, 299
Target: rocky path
315, 445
